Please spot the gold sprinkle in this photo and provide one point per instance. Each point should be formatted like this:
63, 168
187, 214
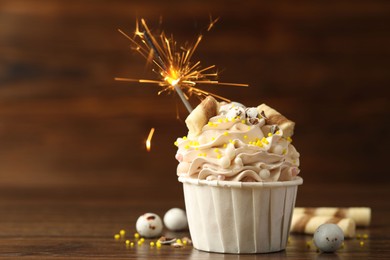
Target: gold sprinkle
284, 151
358, 236
365, 236
224, 145
245, 136
277, 132
127, 242
136, 235
243, 121
131, 244
184, 137
212, 138
122, 233
219, 156
264, 140
343, 245
289, 139
220, 120
117, 236
176, 143
361, 243
142, 239
178, 241
187, 147
139, 242
269, 134
225, 133
152, 244
216, 150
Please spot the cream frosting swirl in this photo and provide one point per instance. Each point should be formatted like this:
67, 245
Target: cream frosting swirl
234, 147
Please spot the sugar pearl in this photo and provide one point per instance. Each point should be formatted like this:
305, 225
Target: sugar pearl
264, 174
175, 219
328, 237
149, 225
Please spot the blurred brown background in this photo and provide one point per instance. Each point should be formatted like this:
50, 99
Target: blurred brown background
68, 129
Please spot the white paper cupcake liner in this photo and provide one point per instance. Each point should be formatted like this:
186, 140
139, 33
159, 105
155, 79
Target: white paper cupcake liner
239, 217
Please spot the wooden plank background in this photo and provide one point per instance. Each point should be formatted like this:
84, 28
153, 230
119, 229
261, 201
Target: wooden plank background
67, 126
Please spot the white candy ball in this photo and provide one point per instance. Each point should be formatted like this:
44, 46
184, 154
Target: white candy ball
176, 219
149, 225
328, 237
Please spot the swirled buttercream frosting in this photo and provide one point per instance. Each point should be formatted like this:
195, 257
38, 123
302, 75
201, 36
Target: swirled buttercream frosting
228, 141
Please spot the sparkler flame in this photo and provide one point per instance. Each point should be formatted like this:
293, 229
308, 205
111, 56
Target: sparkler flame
177, 73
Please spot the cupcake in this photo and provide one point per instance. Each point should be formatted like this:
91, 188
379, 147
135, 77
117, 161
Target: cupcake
239, 173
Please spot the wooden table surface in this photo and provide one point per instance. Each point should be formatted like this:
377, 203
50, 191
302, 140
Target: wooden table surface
73, 165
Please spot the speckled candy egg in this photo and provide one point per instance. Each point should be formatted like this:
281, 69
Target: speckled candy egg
328, 237
176, 219
149, 225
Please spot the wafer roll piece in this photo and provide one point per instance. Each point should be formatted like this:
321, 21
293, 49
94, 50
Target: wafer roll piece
273, 117
307, 224
361, 215
201, 115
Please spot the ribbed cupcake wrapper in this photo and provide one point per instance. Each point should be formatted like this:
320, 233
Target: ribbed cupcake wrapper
228, 217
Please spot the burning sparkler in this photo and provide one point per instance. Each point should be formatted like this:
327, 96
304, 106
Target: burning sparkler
177, 73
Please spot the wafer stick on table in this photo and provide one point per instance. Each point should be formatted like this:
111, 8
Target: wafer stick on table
307, 224
361, 215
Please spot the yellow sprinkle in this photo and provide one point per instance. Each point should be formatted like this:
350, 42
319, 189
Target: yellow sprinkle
288, 239
308, 244
132, 244
117, 236
259, 143
358, 236
176, 143
225, 133
249, 128
212, 138
152, 244
158, 244
184, 137
178, 241
243, 121
264, 140
269, 134
231, 141
220, 120
226, 120
343, 245
284, 151
365, 236
289, 139
185, 242
361, 243
216, 150
196, 148
187, 147
224, 145
277, 132
122, 233
219, 156
245, 137
127, 242
136, 235
142, 239
210, 123
139, 242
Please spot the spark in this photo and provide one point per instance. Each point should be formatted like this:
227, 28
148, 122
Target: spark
175, 69
149, 140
